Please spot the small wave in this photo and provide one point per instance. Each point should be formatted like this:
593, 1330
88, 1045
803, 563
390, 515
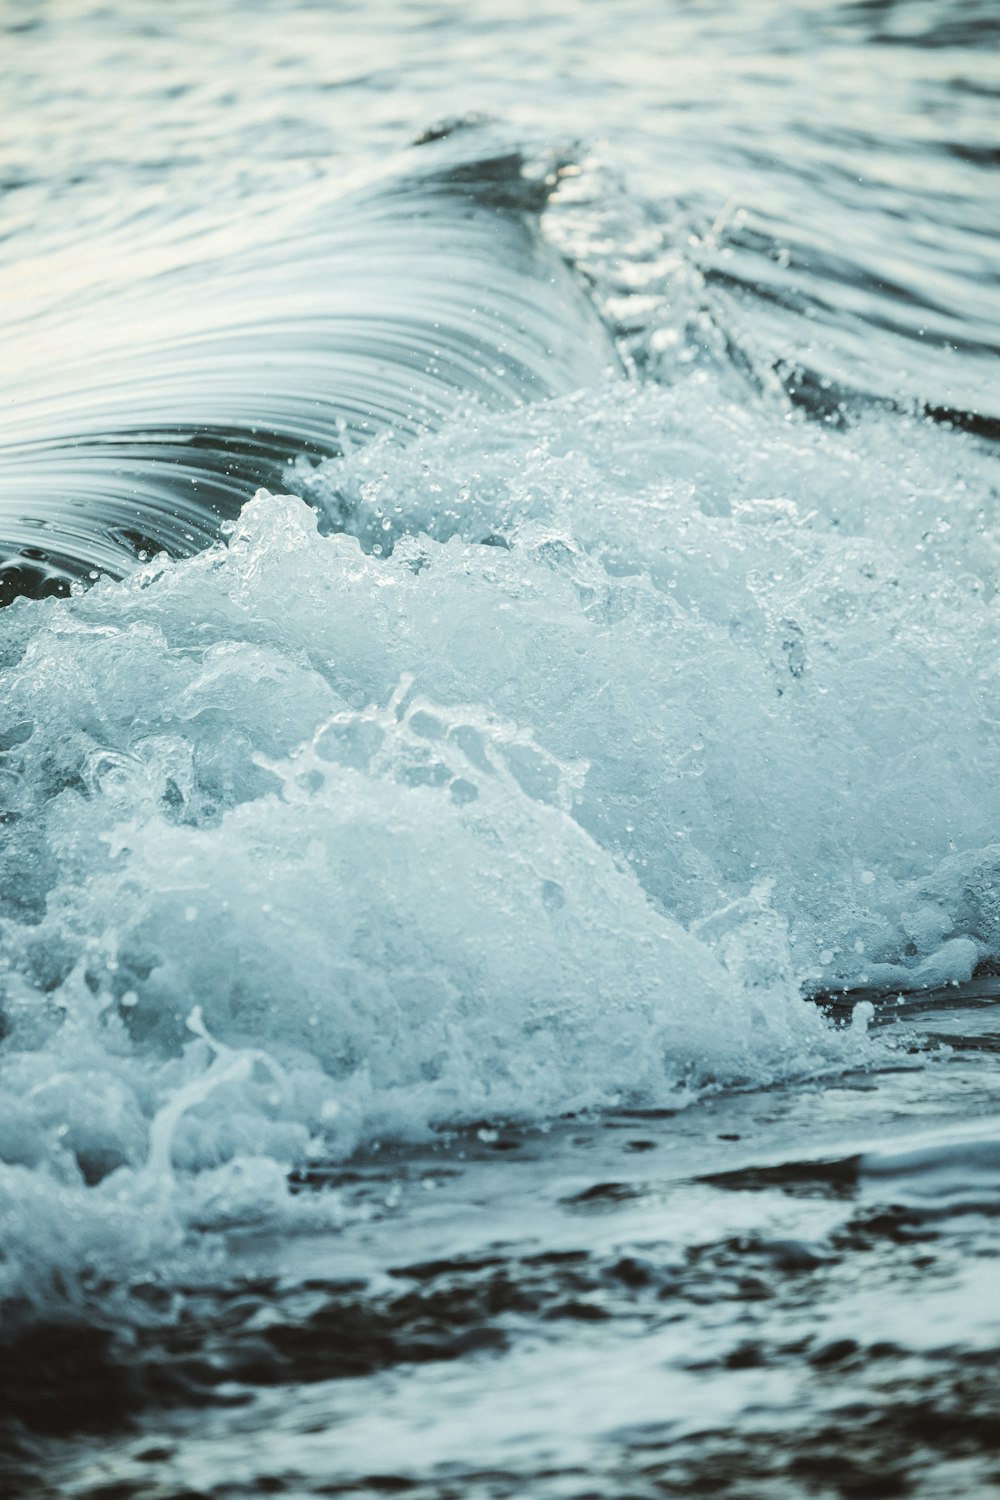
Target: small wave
539, 764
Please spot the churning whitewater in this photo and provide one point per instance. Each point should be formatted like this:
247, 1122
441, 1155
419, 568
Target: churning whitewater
506, 797
499, 697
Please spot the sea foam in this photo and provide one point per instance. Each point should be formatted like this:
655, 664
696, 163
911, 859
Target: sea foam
544, 765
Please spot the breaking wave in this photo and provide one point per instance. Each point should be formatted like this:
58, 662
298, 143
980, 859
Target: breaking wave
546, 760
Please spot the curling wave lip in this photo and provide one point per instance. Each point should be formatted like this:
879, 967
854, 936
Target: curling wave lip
143, 410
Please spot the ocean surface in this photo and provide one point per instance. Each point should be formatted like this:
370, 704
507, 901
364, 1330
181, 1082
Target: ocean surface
499, 773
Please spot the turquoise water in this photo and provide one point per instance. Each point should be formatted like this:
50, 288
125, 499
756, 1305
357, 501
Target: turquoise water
498, 913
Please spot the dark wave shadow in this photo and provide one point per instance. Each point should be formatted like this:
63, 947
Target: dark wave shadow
143, 413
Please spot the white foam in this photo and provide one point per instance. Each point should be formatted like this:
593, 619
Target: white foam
324, 838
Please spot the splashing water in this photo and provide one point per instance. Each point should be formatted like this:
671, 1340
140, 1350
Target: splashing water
576, 657
513, 810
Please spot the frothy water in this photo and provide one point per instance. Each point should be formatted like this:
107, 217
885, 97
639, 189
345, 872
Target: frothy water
505, 797
499, 851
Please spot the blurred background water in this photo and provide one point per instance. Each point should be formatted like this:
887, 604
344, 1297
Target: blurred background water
498, 963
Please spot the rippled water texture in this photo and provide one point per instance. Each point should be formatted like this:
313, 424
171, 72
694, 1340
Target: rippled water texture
499, 690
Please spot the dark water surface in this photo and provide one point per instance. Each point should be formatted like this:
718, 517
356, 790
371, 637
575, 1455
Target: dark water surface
499, 929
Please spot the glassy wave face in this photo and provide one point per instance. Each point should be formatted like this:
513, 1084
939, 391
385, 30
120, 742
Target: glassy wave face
499, 680
149, 402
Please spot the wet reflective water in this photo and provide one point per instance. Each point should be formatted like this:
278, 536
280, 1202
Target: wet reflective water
194, 372
416, 889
